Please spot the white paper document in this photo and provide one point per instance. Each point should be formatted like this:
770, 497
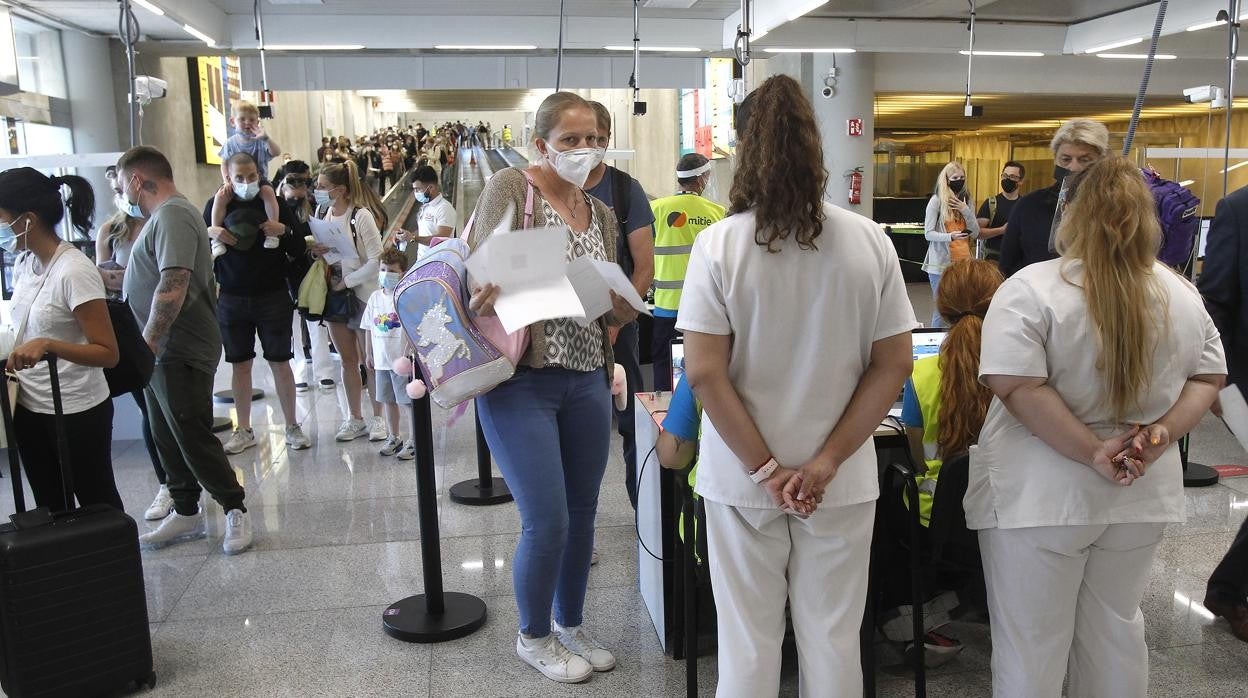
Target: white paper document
341, 246
537, 283
1235, 413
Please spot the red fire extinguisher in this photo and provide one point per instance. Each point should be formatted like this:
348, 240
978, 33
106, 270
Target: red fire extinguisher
855, 185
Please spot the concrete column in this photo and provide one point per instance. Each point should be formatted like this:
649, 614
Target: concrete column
93, 108
854, 99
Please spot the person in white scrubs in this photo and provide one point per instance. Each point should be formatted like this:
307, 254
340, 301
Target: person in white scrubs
1099, 361
797, 341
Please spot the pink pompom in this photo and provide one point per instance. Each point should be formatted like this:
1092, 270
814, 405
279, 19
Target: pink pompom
416, 389
402, 366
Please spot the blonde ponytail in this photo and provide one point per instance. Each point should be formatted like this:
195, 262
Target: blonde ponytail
347, 175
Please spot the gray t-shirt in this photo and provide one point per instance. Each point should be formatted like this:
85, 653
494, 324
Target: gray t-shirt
175, 238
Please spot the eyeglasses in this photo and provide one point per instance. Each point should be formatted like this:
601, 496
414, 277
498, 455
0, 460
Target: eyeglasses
957, 179
1012, 178
297, 181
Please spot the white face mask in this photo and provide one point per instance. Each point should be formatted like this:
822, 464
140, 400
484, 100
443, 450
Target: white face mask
574, 166
246, 191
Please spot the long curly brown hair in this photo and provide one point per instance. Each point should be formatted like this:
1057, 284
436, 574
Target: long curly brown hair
965, 292
780, 174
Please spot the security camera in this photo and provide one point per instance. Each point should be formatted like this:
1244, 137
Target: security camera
147, 88
1203, 93
829, 92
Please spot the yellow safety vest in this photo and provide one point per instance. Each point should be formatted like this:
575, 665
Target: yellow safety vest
926, 380
677, 221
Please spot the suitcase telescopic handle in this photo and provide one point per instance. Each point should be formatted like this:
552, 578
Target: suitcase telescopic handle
62, 436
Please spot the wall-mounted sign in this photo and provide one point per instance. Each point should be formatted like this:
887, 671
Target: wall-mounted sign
215, 87
853, 127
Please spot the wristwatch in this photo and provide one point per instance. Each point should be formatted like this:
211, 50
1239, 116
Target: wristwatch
764, 471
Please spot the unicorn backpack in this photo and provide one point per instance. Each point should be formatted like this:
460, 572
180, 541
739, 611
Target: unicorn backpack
458, 363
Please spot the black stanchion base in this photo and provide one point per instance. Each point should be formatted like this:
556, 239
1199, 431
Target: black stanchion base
1198, 475
220, 424
471, 492
407, 620
227, 396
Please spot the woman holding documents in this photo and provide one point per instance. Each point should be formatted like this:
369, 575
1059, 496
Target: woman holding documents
1099, 361
797, 342
342, 200
549, 426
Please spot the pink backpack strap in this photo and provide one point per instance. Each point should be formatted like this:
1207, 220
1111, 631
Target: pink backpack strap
528, 199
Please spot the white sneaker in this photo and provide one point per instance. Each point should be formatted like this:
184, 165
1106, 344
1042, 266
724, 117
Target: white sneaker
161, 506
391, 447
549, 656
301, 387
327, 384
584, 646
175, 528
379, 431
408, 451
218, 248
240, 440
237, 532
351, 430
296, 440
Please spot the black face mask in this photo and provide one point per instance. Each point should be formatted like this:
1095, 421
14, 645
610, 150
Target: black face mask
1008, 186
956, 185
1060, 173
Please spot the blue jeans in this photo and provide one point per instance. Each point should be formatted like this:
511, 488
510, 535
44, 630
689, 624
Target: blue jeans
937, 321
550, 431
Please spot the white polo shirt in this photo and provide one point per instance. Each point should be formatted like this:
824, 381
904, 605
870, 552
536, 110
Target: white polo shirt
802, 322
1038, 326
438, 212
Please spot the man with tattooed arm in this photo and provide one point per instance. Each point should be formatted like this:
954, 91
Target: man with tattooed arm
170, 287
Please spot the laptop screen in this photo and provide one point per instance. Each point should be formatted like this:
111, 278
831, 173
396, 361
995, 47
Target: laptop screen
678, 360
926, 341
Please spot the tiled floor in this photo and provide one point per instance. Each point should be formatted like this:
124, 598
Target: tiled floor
337, 541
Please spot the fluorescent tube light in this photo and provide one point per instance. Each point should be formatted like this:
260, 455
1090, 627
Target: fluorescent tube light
1187, 183
313, 47
1205, 25
665, 49
810, 50
1160, 56
199, 35
1116, 44
1236, 166
149, 7
1019, 54
485, 47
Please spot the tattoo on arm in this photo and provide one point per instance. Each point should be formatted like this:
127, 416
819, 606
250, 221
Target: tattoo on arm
166, 304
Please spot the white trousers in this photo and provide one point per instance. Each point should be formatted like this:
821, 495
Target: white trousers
322, 364
1067, 598
761, 558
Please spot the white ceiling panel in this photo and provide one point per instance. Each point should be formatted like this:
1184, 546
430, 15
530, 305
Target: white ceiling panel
701, 9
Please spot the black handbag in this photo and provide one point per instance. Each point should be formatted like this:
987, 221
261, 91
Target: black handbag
341, 306
135, 360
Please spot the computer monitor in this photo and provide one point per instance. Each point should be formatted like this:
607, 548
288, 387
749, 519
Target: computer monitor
678, 360
926, 341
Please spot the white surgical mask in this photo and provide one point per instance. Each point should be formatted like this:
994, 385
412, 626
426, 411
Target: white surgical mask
574, 165
246, 190
422, 197
321, 196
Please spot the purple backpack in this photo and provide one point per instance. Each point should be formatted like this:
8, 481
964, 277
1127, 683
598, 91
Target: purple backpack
457, 362
1176, 210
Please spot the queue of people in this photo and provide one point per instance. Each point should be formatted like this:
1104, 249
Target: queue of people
1074, 469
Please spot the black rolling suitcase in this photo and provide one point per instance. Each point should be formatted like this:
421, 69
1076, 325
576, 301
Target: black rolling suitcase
73, 611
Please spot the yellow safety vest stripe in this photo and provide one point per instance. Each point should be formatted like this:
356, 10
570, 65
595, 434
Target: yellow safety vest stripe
677, 221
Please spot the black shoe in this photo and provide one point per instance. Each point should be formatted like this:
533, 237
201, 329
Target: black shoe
1235, 613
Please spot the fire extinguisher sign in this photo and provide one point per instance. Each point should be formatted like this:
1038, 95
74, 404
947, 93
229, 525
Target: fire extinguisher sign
853, 127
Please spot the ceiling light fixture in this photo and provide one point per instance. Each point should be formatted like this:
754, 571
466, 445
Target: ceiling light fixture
1160, 56
1205, 25
149, 7
313, 47
663, 49
810, 50
1187, 183
1234, 167
199, 35
1019, 54
1116, 44
485, 47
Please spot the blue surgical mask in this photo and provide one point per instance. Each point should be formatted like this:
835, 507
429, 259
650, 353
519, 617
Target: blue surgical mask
388, 279
422, 197
246, 191
322, 197
8, 236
